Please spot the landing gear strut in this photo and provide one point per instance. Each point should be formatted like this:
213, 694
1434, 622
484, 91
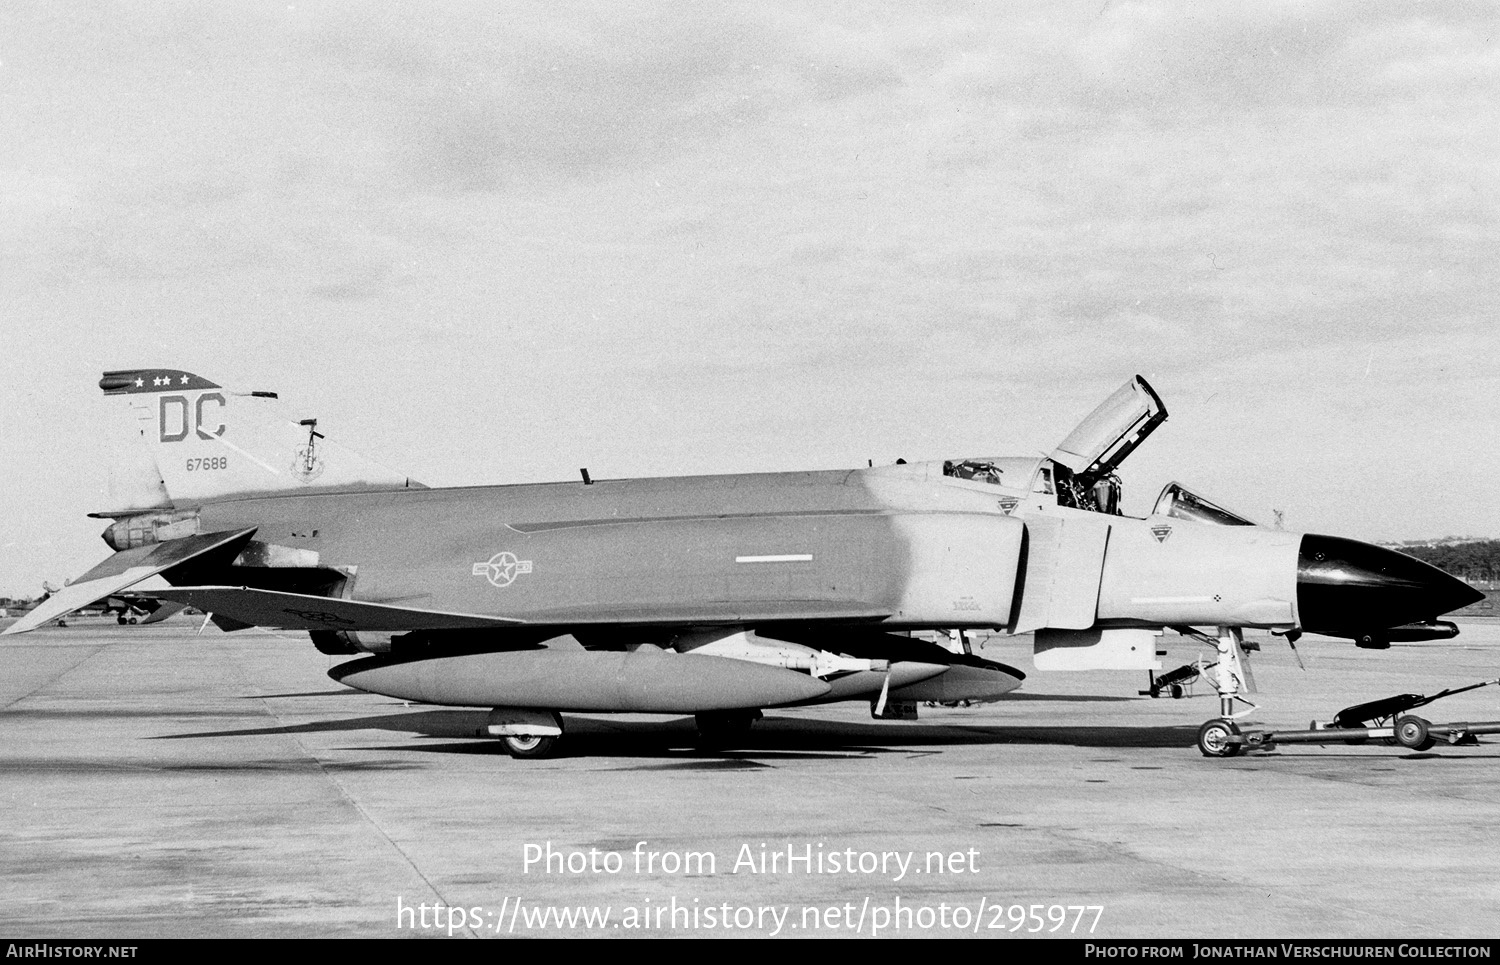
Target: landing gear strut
1231, 678
1232, 673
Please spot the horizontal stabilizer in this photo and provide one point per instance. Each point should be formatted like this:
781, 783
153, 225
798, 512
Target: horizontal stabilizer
300, 611
125, 569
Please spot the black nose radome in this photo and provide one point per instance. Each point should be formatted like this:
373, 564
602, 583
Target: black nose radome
1346, 588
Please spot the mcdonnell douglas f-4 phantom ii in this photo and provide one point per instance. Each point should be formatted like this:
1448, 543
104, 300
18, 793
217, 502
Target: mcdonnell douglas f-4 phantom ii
713, 595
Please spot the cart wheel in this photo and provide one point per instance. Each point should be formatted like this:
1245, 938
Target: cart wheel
1411, 731
1215, 739
1177, 691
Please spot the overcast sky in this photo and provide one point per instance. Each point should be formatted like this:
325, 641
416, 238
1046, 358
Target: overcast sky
495, 242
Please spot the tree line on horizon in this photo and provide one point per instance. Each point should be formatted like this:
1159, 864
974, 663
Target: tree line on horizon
1476, 560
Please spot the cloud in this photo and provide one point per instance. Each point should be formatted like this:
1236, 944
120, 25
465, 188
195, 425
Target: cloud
892, 216
500, 97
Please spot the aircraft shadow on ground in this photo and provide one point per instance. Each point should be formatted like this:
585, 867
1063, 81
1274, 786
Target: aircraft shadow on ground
341, 692
1018, 697
774, 736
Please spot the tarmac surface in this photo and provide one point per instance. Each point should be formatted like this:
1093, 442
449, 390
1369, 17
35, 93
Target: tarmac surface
161, 783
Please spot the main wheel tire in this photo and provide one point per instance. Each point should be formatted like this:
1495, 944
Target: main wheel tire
1411, 731
532, 747
1177, 691
1215, 739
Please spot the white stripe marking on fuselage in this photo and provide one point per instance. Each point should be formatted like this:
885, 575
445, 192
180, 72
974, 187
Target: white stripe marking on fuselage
785, 558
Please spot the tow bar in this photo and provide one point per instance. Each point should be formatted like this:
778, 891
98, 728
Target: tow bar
1386, 718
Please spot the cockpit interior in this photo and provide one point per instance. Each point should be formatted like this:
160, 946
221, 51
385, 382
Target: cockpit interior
1095, 494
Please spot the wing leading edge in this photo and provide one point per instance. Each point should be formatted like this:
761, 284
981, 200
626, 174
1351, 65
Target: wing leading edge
300, 611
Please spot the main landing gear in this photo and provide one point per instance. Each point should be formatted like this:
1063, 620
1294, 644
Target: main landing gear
537, 734
532, 746
526, 734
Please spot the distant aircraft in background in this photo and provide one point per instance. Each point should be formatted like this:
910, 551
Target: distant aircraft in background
129, 609
713, 595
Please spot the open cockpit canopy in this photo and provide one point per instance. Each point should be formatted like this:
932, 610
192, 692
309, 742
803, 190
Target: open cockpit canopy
1111, 432
1081, 471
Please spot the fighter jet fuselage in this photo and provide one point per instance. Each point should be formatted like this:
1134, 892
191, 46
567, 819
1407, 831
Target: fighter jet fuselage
558, 595
902, 547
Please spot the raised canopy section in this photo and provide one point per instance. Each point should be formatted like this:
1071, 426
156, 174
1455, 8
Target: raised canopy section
1109, 433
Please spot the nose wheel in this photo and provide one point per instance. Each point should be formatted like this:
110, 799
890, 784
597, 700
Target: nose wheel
1219, 738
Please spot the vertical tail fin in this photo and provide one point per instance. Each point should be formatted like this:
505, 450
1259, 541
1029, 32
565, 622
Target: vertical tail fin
206, 442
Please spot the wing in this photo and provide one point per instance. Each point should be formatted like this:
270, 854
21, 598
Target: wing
299, 611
